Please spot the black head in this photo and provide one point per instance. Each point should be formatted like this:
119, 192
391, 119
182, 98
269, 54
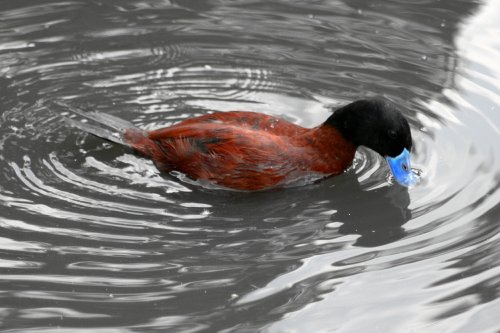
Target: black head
375, 123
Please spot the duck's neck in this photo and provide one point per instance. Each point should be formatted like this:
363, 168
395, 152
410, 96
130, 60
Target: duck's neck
335, 150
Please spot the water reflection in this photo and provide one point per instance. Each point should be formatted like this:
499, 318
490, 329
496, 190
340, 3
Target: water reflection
391, 207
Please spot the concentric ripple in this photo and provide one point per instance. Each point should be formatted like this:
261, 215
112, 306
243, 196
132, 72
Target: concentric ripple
92, 236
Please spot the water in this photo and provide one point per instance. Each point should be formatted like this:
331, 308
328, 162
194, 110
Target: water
92, 237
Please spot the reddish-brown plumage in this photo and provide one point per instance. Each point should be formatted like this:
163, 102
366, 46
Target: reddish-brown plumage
245, 150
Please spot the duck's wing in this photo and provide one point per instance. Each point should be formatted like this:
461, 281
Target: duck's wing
232, 156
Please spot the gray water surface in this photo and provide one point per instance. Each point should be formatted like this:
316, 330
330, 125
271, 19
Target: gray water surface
94, 238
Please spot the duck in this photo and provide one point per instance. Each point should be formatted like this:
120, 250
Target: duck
251, 151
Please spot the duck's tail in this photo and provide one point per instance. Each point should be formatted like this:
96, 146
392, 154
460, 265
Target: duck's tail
102, 125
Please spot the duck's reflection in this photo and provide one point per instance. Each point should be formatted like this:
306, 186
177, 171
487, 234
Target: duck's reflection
298, 213
376, 215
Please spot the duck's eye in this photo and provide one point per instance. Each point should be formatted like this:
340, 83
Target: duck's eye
405, 167
392, 134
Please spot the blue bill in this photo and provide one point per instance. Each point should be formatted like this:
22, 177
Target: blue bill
401, 169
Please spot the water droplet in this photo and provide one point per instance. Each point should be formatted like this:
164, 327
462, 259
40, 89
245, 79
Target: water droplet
424, 57
443, 24
208, 67
360, 11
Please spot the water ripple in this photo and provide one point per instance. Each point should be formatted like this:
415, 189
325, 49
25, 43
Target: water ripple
94, 236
